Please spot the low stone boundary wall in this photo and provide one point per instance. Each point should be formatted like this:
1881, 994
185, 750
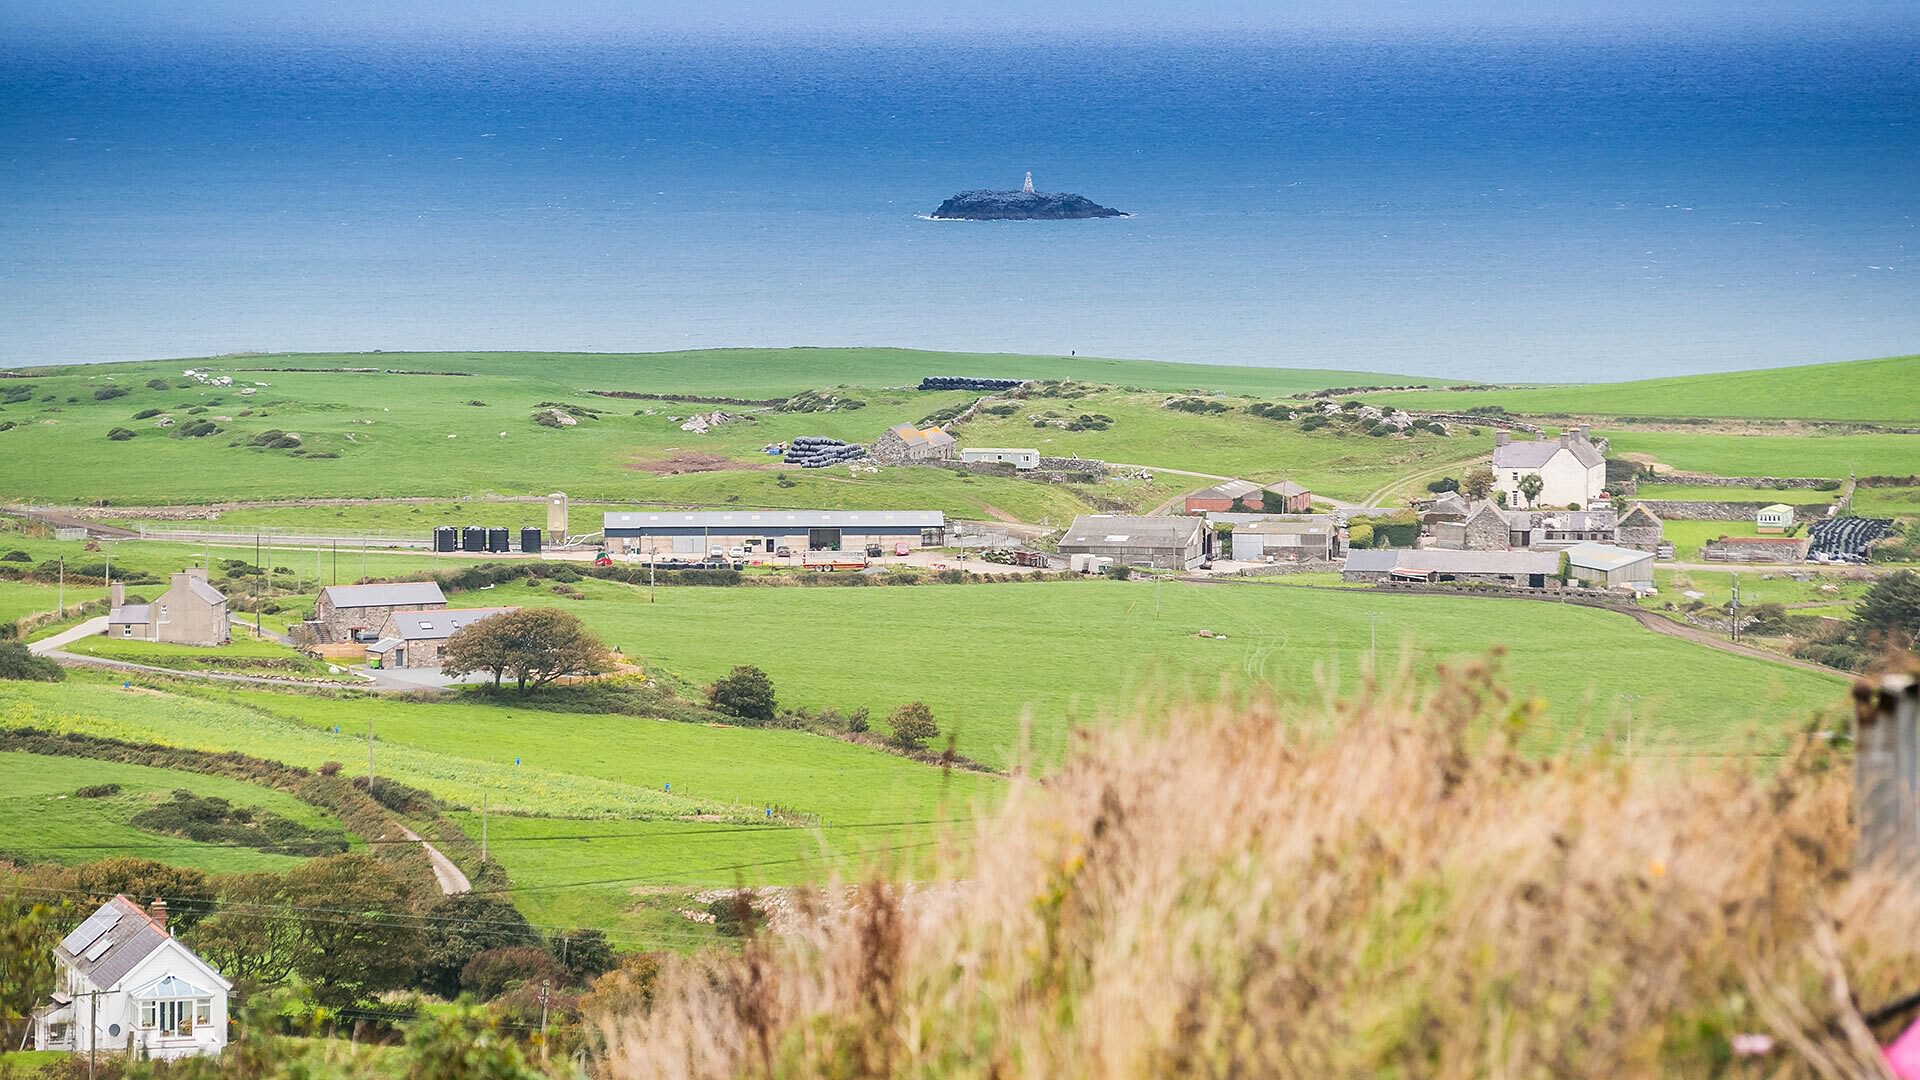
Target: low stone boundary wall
1692, 510
1755, 550
1782, 483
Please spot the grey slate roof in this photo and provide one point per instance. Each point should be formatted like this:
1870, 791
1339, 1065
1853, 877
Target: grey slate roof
131, 613
1534, 453
624, 523
111, 942
1113, 530
1287, 487
205, 591
437, 625
401, 594
1372, 560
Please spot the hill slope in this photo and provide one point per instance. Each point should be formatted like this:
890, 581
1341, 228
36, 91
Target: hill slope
1866, 390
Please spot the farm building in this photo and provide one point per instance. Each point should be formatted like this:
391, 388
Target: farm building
1639, 529
1572, 470
357, 612
1756, 549
416, 639
904, 444
190, 612
124, 984
1279, 537
1172, 543
1518, 569
1607, 566
1022, 459
1247, 497
766, 531
1489, 528
1775, 519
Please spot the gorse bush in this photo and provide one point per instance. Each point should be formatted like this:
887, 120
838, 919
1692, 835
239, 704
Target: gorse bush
1386, 886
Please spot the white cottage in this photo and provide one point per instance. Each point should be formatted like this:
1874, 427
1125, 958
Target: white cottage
1572, 470
124, 984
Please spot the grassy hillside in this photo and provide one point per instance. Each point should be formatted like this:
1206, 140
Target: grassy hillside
41, 817
460, 423
1833, 456
1867, 390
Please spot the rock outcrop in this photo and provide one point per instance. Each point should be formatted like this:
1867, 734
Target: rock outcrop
1025, 205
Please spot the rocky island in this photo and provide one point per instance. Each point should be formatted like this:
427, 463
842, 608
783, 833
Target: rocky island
1023, 205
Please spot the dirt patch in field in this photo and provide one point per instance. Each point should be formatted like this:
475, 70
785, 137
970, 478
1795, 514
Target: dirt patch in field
692, 461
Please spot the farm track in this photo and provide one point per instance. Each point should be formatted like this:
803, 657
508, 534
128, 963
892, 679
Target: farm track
452, 880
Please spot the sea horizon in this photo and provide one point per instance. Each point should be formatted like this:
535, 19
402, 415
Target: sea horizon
1508, 204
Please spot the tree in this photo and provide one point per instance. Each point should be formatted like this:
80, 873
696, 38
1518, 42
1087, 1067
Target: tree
912, 725
533, 647
1890, 611
496, 971
1444, 485
745, 693
1565, 570
356, 936
1479, 482
463, 927
30, 926
1530, 486
584, 955
253, 939
1360, 534
187, 892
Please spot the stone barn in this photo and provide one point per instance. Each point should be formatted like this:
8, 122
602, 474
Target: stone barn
904, 444
347, 613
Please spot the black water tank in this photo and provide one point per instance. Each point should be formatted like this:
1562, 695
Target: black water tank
497, 540
473, 538
530, 540
446, 538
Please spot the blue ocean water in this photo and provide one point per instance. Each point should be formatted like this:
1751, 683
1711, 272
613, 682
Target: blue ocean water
1502, 205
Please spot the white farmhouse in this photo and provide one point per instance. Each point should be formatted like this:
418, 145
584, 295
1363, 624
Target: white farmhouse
1572, 471
124, 984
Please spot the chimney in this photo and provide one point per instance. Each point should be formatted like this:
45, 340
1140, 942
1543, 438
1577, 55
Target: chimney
158, 910
1585, 432
1565, 438
1502, 438
116, 594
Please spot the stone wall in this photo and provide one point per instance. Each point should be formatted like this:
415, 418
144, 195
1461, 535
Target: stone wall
1755, 550
1781, 483
1693, 510
1051, 470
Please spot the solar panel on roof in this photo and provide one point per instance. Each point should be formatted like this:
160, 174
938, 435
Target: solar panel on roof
88, 932
99, 948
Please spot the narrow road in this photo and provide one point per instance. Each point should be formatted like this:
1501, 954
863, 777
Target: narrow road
247, 624
95, 625
450, 877
78, 660
1660, 625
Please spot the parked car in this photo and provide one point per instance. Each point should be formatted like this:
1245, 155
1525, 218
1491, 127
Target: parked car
736, 553
901, 548
716, 553
784, 552
874, 551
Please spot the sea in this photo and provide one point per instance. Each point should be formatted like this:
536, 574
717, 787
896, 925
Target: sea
1516, 204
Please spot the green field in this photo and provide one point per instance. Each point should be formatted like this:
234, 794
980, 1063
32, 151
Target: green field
1886, 502
1830, 456
41, 818
19, 599
1764, 587
1868, 390
246, 655
984, 656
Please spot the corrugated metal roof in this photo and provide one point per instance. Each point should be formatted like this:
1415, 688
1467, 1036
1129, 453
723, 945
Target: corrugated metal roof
621, 523
932, 436
435, 625
1448, 561
384, 645
1287, 487
1000, 450
1369, 560
1305, 524
1227, 489
399, 594
1112, 530
1604, 556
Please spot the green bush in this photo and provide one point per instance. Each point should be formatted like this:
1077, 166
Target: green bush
146, 414
19, 664
212, 820
745, 693
912, 725
120, 434
108, 393
97, 791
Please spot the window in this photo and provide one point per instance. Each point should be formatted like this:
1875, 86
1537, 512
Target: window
175, 1016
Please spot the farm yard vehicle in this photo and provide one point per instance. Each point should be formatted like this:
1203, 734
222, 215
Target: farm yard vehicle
828, 562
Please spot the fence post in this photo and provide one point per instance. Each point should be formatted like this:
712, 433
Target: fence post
1886, 773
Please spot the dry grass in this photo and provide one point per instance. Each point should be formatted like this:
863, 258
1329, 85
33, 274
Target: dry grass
1383, 887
